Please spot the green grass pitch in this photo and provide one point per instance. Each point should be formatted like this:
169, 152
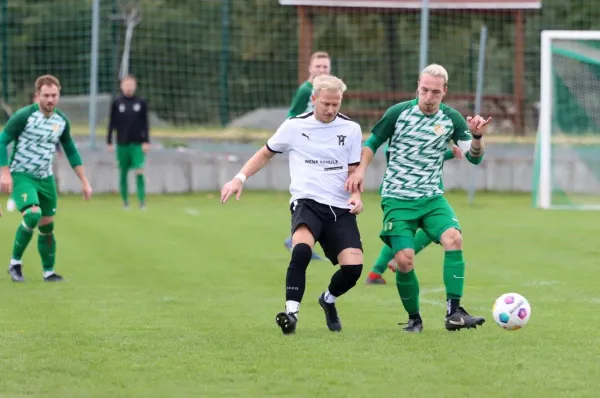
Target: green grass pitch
180, 301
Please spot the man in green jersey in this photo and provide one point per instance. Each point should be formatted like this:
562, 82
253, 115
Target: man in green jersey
422, 240
320, 64
35, 131
418, 133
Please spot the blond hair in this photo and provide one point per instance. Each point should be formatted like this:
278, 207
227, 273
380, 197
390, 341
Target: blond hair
46, 80
319, 55
435, 70
328, 82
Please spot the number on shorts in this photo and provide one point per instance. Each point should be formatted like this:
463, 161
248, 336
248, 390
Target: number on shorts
24, 196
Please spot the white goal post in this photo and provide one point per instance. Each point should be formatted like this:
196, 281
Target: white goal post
567, 47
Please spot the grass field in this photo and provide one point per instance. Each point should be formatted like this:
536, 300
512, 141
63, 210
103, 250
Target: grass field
179, 301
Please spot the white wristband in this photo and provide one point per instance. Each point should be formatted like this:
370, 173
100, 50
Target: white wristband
241, 177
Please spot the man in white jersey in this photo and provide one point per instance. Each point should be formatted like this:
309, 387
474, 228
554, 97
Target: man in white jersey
418, 133
324, 148
320, 64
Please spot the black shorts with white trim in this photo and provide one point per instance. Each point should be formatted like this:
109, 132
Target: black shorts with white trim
334, 228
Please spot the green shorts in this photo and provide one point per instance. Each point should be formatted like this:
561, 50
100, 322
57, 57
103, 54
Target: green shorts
130, 156
30, 191
402, 218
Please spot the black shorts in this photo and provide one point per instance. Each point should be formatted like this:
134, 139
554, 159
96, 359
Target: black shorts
335, 229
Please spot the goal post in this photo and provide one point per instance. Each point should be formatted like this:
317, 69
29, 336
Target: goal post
567, 154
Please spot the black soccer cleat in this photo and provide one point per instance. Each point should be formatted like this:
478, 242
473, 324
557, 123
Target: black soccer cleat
331, 316
287, 322
462, 320
16, 272
53, 278
413, 325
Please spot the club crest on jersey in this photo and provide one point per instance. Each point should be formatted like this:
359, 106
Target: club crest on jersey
438, 129
55, 127
137, 107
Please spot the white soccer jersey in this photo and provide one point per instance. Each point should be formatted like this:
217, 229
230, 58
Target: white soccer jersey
320, 154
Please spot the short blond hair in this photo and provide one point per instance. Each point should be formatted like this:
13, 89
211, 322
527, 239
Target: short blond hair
435, 70
328, 82
319, 55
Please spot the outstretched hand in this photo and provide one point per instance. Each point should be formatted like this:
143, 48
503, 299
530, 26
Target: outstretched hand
477, 124
354, 182
86, 188
234, 186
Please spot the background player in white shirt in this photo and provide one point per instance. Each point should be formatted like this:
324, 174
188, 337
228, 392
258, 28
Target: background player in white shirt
324, 148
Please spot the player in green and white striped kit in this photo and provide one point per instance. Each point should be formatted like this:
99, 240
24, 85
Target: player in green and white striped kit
36, 130
385, 259
320, 64
418, 133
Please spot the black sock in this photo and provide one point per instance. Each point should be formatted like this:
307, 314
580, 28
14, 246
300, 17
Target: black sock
416, 316
452, 305
344, 279
295, 280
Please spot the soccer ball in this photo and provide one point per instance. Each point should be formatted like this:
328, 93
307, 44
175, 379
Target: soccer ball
511, 311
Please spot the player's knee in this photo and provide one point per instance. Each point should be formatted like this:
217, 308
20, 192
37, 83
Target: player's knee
350, 256
139, 172
46, 227
32, 217
301, 255
303, 234
404, 260
452, 239
352, 272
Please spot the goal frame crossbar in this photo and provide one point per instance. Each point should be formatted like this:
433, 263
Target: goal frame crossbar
544, 188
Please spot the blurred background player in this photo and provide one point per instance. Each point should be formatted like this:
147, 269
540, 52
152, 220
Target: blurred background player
320, 64
129, 117
28, 173
422, 240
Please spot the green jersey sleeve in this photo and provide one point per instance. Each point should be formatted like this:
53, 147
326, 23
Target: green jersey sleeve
448, 154
300, 100
462, 136
66, 141
461, 130
14, 127
384, 129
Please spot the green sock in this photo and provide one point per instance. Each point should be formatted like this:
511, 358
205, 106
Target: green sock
47, 247
454, 274
141, 188
123, 188
385, 256
22, 239
422, 240
408, 289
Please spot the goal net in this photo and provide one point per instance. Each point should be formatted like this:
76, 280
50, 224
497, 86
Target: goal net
568, 146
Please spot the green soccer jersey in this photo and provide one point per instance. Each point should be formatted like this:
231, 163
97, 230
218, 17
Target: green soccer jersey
302, 103
417, 144
35, 139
